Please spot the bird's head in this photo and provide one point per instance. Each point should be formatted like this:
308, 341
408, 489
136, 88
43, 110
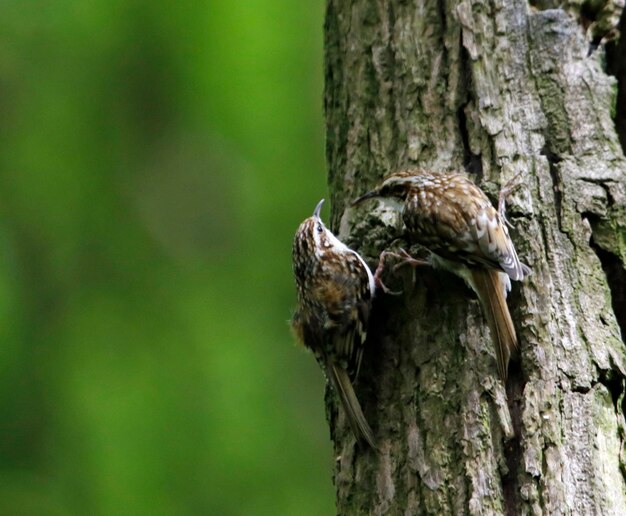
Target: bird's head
395, 187
313, 237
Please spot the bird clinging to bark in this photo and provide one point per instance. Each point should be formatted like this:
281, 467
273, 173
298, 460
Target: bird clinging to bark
334, 289
448, 214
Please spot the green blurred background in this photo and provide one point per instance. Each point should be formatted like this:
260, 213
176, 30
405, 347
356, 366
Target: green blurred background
156, 159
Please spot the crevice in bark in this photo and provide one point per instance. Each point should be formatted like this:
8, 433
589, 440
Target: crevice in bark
397, 139
441, 9
512, 448
616, 279
446, 71
615, 385
553, 161
471, 162
616, 66
589, 12
543, 5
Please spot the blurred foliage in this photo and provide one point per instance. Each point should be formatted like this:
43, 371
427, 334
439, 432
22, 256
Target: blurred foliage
156, 159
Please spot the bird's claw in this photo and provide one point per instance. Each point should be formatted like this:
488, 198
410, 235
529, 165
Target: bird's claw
379, 272
407, 259
385, 289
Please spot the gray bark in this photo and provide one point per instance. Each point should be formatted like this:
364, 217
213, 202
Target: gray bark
495, 88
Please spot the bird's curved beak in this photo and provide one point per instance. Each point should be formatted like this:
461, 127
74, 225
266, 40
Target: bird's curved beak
368, 195
318, 209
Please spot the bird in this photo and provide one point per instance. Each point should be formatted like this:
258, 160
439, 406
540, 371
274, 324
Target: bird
335, 288
454, 219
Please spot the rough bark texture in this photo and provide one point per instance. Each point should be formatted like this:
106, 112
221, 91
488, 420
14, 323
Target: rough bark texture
494, 88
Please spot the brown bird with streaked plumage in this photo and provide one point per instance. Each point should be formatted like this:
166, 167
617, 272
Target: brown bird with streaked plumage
453, 218
335, 288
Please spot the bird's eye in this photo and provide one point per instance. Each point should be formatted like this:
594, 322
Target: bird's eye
319, 228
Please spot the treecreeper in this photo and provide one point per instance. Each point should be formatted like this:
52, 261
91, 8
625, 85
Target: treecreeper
335, 288
454, 219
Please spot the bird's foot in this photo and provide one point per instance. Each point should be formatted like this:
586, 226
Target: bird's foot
407, 259
379, 272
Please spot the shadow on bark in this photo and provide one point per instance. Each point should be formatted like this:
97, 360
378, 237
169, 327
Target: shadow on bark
616, 66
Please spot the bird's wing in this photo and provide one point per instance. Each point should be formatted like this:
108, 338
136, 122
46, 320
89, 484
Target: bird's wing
458, 221
343, 292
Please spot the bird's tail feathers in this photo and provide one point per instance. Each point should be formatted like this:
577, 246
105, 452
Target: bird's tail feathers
492, 294
345, 391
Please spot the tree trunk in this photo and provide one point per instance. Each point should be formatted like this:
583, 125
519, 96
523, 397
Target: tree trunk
495, 88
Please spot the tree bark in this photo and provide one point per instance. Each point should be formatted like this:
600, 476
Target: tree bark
495, 88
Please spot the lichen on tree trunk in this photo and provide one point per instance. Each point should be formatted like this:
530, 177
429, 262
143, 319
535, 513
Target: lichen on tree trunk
493, 88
